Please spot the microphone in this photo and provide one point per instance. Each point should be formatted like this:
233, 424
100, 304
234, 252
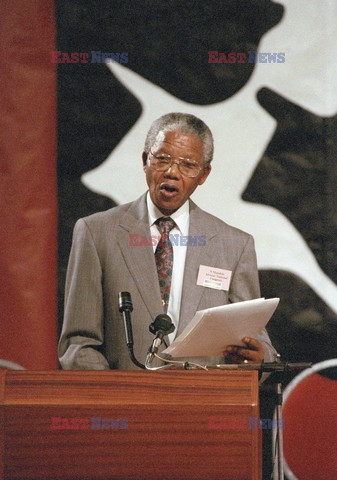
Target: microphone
271, 367
284, 366
161, 326
125, 308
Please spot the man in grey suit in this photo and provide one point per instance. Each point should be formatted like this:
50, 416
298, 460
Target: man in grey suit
114, 251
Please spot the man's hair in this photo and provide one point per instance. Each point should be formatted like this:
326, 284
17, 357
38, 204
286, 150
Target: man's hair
184, 123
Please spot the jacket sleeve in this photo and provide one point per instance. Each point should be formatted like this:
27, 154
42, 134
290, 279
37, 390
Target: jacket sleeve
82, 336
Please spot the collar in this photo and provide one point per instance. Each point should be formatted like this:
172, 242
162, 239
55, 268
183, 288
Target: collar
181, 216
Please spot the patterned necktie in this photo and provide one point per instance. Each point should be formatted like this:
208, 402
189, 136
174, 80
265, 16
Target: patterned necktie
164, 258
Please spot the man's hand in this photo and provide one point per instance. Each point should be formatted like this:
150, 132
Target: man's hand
253, 352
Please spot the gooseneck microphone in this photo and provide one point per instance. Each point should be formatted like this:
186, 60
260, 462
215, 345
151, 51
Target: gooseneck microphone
161, 326
125, 308
271, 367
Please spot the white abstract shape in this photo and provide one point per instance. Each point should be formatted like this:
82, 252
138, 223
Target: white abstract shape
242, 131
269, 227
307, 34
232, 167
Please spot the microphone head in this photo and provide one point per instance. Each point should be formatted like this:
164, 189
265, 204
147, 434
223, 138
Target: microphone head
162, 323
124, 302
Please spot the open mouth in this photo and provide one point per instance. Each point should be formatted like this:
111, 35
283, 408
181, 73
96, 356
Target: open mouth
168, 188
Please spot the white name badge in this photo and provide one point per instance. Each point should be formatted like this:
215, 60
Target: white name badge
212, 277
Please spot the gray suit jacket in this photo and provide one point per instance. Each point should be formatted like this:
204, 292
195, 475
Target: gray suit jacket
103, 262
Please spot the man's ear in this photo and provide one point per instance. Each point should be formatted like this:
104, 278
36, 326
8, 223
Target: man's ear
144, 159
207, 171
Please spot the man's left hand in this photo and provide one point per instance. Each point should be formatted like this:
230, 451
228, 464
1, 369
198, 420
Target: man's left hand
253, 351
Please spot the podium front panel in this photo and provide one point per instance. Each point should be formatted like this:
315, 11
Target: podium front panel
171, 425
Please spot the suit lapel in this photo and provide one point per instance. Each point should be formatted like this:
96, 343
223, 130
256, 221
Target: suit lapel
197, 255
140, 259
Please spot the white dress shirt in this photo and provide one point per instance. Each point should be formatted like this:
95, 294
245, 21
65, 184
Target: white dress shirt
181, 218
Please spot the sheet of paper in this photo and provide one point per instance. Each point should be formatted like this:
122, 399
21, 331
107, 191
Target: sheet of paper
212, 329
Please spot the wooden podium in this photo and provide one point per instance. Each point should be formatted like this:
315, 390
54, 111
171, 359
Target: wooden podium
129, 425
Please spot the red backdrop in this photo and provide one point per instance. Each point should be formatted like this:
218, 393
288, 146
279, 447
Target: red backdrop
28, 184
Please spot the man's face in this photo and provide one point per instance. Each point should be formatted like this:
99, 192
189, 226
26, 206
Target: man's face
169, 190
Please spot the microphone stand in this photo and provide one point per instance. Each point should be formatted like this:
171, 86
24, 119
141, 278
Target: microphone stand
279, 434
125, 308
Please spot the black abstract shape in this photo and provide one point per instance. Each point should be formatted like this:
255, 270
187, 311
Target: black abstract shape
303, 328
298, 175
168, 42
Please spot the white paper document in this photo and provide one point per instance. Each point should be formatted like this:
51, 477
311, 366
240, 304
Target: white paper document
212, 329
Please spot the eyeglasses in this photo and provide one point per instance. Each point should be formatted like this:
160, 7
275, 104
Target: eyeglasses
162, 162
